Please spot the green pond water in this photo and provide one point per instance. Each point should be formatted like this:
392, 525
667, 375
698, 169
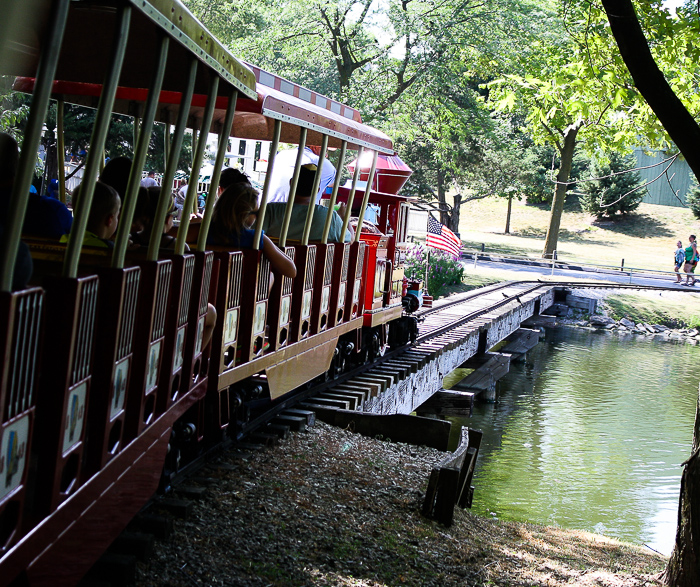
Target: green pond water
589, 434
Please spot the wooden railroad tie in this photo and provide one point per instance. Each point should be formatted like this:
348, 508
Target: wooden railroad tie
450, 480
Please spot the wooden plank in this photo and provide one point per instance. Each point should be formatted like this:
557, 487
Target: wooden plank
409, 366
378, 385
446, 496
352, 399
521, 341
386, 380
364, 391
448, 403
397, 427
396, 373
402, 370
331, 403
488, 368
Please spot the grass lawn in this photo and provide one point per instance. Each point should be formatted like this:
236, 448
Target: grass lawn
645, 239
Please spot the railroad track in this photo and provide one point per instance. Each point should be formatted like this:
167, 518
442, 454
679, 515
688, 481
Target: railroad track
441, 328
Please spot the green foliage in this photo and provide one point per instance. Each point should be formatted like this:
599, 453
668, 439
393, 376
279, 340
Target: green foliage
613, 187
14, 110
692, 198
540, 177
444, 269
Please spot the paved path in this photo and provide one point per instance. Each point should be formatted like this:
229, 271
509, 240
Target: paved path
575, 272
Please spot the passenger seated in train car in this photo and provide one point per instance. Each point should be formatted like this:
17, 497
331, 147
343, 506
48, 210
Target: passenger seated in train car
116, 174
274, 215
234, 215
46, 216
104, 216
9, 160
144, 214
284, 169
229, 176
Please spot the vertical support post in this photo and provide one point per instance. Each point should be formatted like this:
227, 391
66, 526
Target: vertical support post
218, 164
97, 140
554, 259
135, 129
351, 196
128, 206
365, 200
173, 157
266, 186
334, 194
61, 148
166, 148
314, 190
292, 189
9, 243
196, 166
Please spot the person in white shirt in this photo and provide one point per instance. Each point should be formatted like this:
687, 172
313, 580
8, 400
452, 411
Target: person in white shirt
284, 170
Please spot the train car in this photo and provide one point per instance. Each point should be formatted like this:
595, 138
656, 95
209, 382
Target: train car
110, 377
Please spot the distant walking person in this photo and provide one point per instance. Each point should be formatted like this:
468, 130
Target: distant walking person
691, 260
679, 261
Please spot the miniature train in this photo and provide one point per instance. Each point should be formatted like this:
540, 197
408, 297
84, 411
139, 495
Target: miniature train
104, 375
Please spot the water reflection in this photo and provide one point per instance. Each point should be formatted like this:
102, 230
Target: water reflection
589, 434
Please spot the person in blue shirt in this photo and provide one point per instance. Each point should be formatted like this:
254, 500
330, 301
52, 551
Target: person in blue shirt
234, 214
47, 216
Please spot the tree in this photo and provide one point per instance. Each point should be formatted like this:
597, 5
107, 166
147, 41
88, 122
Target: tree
614, 187
676, 44
577, 94
692, 197
684, 564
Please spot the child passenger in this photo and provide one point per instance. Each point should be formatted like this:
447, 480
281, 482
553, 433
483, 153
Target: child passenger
144, 214
231, 226
104, 216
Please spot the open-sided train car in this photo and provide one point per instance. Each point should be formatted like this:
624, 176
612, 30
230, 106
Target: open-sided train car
105, 374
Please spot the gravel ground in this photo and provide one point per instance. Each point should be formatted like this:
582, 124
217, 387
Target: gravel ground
330, 507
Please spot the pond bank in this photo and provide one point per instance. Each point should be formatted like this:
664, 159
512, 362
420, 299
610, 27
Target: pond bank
330, 507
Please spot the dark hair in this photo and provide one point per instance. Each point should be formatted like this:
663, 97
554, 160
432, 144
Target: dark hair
692, 236
9, 158
116, 174
230, 212
231, 175
306, 182
105, 201
147, 205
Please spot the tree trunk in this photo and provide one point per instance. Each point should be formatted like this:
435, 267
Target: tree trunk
510, 208
650, 81
683, 567
442, 202
454, 221
567, 156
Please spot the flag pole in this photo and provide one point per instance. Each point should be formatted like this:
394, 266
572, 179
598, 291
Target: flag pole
427, 270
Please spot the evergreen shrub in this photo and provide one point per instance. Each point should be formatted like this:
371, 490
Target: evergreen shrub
608, 194
692, 198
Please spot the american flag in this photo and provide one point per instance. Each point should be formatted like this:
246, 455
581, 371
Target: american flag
441, 237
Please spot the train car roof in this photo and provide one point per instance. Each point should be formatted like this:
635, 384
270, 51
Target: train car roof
254, 118
296, 106
87, 42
